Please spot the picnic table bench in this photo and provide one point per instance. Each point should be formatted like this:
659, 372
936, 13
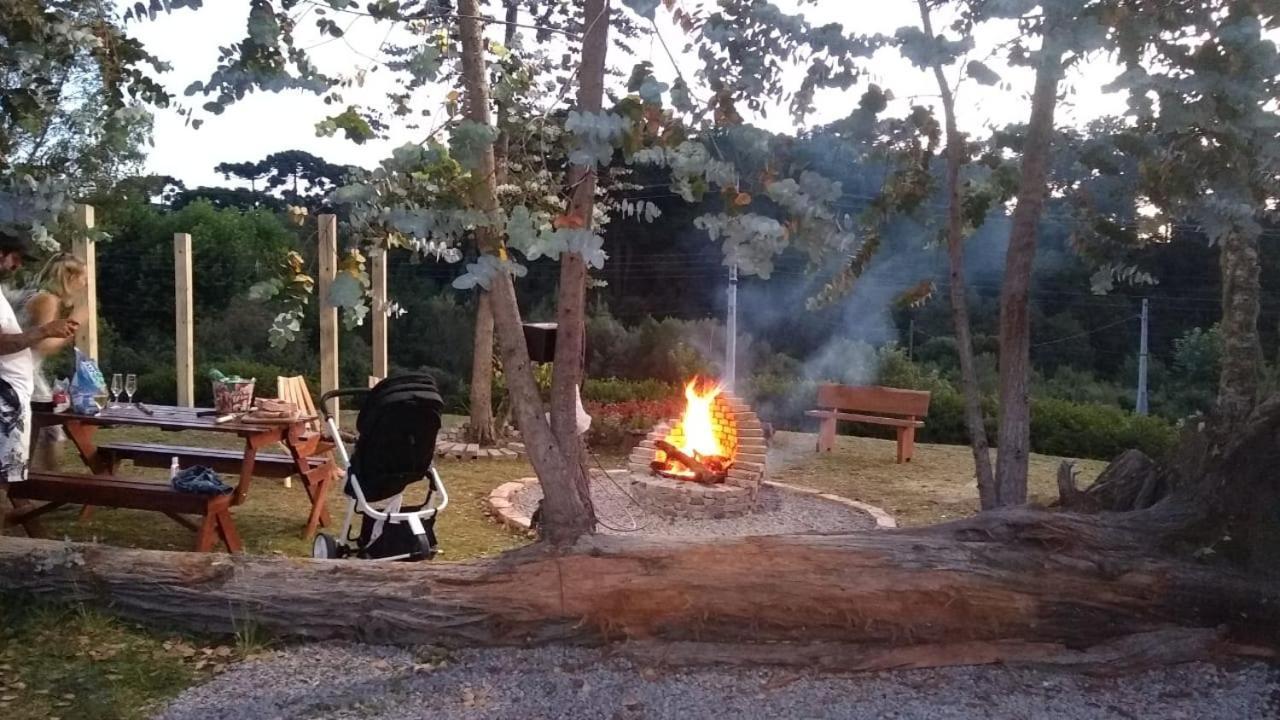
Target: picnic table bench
307, 457
60, 489
901, 409
221, 460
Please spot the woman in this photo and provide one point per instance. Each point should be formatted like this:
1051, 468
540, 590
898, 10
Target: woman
55, 295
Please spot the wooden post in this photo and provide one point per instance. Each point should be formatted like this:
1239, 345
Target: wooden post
83, 248
378, 275
328, 313
184, 320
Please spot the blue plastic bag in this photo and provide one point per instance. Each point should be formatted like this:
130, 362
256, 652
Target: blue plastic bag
86, 385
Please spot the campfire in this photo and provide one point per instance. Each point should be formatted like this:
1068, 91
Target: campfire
709, 463
697, 448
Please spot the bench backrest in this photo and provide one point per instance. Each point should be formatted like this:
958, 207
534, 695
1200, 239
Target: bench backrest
874, 399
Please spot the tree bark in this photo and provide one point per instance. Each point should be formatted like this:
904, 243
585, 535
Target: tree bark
564, 516
932, 591
959, 291
1241, 347
1130, 482
571, 305
480, 429
1015, 323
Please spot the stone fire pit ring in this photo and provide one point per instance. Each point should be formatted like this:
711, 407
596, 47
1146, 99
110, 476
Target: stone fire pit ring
737, 428
781, 509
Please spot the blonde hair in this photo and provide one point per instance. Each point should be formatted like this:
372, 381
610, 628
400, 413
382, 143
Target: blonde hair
60, 274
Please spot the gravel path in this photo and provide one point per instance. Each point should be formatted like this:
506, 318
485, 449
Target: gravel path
340, 682
780, 511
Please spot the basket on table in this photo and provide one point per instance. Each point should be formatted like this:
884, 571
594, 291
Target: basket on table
233, 395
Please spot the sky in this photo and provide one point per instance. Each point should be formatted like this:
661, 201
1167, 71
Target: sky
263, 123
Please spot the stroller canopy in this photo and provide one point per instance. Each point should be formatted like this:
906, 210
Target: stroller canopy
397, 435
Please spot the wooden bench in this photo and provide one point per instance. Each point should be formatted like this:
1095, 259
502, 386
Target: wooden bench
57, 490
901, 409
221, 460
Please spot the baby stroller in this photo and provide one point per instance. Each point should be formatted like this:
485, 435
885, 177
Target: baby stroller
395, 444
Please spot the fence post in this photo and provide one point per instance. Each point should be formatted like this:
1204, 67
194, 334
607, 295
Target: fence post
328, 313
83, 248
184, 321
378, 275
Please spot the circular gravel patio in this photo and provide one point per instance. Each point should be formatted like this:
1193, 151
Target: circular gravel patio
781, 509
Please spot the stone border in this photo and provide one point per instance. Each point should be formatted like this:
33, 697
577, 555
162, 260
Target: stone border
884, 521
500, 505
472, 451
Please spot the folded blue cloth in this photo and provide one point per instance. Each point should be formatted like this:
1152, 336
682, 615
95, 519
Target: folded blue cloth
200, 480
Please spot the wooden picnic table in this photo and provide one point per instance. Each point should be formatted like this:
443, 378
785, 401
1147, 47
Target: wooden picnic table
307, 453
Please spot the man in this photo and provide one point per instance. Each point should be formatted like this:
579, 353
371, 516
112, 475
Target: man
17, 368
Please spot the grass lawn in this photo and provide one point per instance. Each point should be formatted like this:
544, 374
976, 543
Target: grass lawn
937, 485
58, 662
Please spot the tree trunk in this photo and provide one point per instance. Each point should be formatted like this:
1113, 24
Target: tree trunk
946, 595
571, 303
1015, 323
959, 292
480, 429
1009, 585
564, 516
1241, 348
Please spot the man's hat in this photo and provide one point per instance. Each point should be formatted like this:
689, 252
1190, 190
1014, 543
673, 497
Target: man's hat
11, 242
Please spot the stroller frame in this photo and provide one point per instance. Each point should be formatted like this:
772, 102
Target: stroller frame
326, 546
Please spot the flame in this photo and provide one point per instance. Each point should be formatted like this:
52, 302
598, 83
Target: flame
699, 430
695, 433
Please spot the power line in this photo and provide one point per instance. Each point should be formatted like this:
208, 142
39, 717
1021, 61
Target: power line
1086, 333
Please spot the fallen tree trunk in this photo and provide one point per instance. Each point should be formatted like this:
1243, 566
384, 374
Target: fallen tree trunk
1015, 585
952, 600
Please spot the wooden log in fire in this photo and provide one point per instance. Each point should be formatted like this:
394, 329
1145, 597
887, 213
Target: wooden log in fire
701, 473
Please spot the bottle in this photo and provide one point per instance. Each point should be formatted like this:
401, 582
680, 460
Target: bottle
173, 467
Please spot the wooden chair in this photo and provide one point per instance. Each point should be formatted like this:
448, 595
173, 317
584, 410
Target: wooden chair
294, 390
900, 409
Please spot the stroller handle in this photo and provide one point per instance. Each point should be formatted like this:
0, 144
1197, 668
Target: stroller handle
340, 392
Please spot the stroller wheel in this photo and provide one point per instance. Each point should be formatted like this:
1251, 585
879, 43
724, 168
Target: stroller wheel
424, 549
325, 547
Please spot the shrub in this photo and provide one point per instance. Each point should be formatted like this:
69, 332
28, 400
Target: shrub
619, 425
1079, 386
780, 400
896, 371
940, 351
264, 376
614, 390
1059, 427
160, 387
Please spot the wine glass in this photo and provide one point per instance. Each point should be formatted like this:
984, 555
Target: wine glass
130, 386
116, 387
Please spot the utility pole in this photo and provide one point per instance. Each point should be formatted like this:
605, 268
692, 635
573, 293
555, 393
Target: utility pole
1141, 405
731, 331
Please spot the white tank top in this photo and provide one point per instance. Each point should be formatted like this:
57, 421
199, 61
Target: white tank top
18, 369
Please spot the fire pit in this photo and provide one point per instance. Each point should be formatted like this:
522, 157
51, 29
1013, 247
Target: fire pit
708, 463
